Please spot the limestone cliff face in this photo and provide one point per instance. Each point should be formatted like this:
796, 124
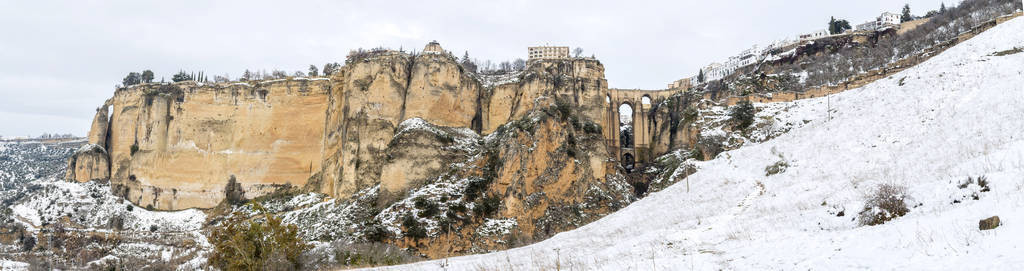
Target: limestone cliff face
673, 123
580, 82
176, 146
100, 126
557, 178
88, 163
373, 96
542, 174
365, 107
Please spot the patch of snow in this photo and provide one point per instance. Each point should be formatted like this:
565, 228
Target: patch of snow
13, 265
493, 227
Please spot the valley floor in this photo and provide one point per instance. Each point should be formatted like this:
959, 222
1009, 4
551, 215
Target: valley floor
929, 128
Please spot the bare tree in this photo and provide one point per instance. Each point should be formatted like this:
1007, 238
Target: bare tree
519, 64
278, 74
577, 52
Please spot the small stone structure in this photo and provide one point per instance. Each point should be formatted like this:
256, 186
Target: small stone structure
433, 47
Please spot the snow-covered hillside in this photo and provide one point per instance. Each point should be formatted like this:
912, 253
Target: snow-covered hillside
929, 128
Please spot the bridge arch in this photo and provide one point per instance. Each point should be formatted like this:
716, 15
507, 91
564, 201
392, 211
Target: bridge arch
628, 162
632, 109
626, 131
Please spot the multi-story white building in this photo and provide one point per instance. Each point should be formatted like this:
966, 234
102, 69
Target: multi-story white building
750, 56
887, 19
548, 52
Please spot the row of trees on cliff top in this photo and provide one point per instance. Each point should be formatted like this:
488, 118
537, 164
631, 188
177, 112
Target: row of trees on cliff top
147, 76
470, 64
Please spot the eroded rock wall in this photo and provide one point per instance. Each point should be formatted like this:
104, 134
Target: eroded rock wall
176, 146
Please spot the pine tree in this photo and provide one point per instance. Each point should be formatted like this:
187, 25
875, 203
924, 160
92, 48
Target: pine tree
906, 14
147, 76
467, 63
133, 78
832, 26
700, 76
942, 8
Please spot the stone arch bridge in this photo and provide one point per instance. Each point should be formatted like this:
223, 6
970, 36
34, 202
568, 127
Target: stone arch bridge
629, 138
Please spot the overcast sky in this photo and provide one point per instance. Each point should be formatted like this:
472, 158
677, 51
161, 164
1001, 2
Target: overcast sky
60, 60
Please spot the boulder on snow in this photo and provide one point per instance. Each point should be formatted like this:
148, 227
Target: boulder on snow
989, 223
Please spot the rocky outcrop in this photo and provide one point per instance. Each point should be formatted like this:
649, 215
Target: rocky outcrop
989, 223
528, 180
100, 126
579, 82
89, 163
174, 146
377, 91
421, 152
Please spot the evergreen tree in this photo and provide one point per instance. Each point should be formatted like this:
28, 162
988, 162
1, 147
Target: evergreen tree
246, 76
700, 76
181, 76
133, 78
742, 115
838, 26
942, 8
906, 17
147, 76
313, 71
468, 63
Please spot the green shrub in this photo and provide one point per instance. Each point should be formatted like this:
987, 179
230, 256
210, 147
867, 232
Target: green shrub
564, 108
591, 128
374, 232
742, 115
257, 244
413, 228
427, 208
487, 207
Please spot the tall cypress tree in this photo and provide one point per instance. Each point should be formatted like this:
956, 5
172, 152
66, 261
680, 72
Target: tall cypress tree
906, 14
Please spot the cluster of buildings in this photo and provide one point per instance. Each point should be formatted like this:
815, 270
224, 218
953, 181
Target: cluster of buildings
755, 54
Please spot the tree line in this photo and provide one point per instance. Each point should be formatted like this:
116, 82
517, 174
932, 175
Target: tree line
147, 76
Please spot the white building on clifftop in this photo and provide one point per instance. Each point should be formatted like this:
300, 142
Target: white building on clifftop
548, 52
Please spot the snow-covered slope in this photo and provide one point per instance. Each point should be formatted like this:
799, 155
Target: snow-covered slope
929, 128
